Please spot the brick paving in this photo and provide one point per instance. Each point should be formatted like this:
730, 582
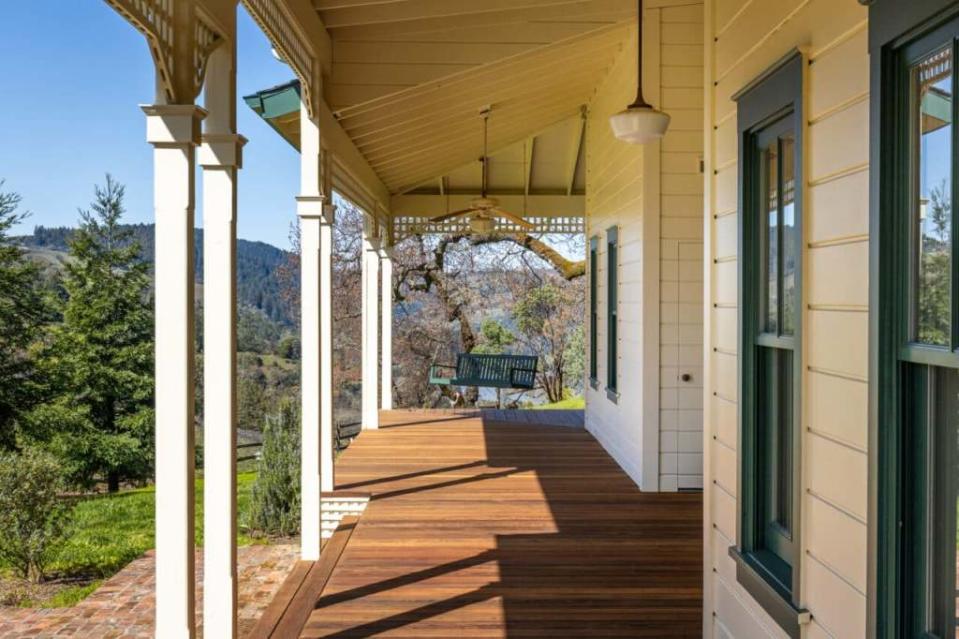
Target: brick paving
123, 607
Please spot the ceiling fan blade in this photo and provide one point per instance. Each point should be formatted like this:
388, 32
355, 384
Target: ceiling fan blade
449, 216
514, 218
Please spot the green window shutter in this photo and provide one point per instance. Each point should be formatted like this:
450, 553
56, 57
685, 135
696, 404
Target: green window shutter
612, 304
914, 337
593, 309
769, 113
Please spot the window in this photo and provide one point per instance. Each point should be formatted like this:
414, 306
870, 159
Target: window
916, 365
770, 234
612, 297
593, 313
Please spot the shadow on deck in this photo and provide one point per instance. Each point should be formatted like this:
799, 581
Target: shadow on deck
481, 525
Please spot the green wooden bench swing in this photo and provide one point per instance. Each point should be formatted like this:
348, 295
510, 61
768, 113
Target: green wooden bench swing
488, 371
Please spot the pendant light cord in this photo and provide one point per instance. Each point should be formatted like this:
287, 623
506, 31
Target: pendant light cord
640, 100
486, 150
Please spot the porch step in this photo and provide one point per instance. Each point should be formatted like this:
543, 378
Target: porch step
336, 506
290, 609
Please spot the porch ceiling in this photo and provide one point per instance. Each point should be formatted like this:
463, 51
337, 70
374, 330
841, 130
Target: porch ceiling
409, 78
417, 135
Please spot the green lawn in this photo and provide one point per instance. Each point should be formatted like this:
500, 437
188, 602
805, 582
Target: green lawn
110, 531
570, 403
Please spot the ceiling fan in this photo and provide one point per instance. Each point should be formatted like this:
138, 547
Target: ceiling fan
484, 209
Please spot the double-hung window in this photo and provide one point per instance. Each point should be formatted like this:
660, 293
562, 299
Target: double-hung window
612, 304
915, 341
770, 304
593, 311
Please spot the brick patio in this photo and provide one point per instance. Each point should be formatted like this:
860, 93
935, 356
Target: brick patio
123, 606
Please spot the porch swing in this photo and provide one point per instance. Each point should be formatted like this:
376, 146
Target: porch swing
513, 372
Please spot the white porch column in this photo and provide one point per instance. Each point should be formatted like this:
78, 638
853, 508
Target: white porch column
371, 320
220, 157
327, 444
386, 348
174, 131
310, 211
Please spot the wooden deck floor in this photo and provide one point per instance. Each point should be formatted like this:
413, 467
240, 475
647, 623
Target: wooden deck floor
483, 528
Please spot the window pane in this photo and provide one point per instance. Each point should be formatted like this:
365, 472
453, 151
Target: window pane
945, 458
932, 106
788, 221
770, 203
775, 443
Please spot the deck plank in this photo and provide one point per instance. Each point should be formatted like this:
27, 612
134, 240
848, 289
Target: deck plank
482, 528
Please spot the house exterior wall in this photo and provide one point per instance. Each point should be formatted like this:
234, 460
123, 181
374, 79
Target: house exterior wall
653, 195
614, 197
744, 39
681, 250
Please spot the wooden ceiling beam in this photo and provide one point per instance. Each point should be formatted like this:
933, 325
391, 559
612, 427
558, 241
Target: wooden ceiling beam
413, 10
469, 135
528, 159
459, 118
494, 72
578, 136
409, 173
584, 11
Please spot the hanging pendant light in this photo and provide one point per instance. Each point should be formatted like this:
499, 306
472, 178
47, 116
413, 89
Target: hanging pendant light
640, 122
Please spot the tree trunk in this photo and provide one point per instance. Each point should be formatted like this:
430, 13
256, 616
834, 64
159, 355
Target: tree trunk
113, 481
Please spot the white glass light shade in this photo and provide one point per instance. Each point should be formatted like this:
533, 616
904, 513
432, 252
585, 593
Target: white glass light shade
639, 125
481, 225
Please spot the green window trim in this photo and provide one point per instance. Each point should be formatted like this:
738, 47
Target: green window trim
612, 313
902, 373
769, 120
593, 311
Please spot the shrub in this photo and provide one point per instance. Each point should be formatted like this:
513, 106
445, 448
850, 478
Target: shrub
275, 500
33, 517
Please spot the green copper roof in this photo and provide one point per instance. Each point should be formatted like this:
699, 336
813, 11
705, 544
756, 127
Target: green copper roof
275, 103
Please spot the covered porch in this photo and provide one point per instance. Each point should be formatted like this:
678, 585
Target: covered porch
459, 120
497, 524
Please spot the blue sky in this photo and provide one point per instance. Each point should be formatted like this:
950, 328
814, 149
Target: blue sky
74, 74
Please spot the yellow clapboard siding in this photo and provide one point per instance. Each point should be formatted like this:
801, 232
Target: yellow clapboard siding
751, 35
723, 416
687, 14
726, 234
837, 275
725, 282
838, 341
829, 149
838, 208
838, 607
724, 374
831, 534
724, 467
838, 474
837, 408
725, 330
724, 513
839, 75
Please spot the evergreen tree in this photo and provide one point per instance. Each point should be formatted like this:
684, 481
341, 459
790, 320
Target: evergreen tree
22, 312
275, 499
102, 423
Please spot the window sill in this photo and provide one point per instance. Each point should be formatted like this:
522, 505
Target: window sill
612, 395
758, 582
594, 383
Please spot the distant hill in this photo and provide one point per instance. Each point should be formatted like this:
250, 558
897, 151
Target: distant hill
257, 263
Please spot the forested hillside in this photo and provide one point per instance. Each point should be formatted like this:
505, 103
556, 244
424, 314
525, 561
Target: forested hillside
258, 263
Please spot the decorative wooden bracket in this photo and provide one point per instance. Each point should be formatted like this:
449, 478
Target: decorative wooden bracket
181, 39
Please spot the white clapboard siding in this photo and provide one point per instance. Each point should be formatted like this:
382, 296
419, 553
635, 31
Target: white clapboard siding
614, 191
681, 250
660, 449
744, 38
